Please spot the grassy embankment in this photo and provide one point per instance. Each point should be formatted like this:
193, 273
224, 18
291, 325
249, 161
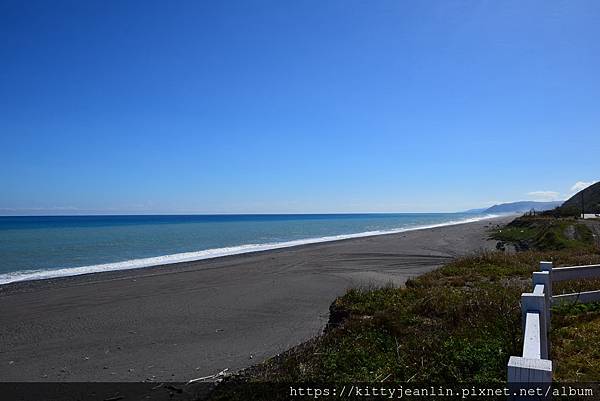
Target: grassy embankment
460, 323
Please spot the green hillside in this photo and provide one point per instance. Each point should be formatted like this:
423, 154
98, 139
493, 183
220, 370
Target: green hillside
591, 200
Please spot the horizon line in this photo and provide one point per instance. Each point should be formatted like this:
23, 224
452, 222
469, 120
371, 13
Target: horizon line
82, 212
224, 214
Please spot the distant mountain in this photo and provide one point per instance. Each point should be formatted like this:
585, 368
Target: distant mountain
591, 200
480, 210
522, 207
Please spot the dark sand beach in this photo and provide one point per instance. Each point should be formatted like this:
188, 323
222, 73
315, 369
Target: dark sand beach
178, 322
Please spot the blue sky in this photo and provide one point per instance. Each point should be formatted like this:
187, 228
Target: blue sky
303, 106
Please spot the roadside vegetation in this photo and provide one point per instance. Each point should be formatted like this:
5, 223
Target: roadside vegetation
545, 233
460, 323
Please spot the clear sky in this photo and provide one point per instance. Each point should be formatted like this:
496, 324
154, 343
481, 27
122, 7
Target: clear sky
295, 106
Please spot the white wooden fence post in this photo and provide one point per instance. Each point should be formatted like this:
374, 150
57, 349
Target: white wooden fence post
526, 370
536, 303
546, 267
543, 278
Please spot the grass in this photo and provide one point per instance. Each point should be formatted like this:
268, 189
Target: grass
546, 233
460, 323
576, 342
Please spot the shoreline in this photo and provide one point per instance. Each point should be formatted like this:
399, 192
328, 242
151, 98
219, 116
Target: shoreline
182, 321
207, 254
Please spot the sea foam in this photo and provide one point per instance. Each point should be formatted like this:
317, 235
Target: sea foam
12, 277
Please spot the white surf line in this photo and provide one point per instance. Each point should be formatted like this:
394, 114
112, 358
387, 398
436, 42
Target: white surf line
26, 275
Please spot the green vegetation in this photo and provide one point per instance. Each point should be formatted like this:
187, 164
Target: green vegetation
460, 323
545, 233
576, 342
564, 211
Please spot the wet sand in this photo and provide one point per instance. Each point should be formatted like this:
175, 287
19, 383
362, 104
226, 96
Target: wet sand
187, 320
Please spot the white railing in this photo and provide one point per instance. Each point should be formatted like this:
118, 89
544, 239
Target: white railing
535, 366
576, 273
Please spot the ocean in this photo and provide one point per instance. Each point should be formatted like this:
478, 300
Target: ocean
35, 247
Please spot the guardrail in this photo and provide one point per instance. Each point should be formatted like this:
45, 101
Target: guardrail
535, 366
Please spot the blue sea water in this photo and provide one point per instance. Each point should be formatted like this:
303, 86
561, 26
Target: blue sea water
36, 247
